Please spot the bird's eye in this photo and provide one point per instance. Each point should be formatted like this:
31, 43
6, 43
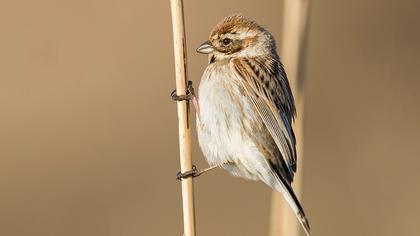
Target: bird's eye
226, 41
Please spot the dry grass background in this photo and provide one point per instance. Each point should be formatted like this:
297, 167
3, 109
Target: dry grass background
88, 140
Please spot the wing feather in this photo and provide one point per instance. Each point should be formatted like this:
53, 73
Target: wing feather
273, 103
270, 93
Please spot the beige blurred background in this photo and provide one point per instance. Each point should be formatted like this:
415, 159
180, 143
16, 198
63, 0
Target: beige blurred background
88, 134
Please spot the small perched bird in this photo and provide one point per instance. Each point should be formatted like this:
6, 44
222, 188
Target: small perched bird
246, 108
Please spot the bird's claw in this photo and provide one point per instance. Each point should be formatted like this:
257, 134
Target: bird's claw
190, 173
190, 94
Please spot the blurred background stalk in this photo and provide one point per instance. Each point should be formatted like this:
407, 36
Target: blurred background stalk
295, 18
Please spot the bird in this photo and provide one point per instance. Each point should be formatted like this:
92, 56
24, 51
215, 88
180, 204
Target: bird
245, 108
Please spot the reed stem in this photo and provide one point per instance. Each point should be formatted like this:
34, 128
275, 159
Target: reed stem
178, 26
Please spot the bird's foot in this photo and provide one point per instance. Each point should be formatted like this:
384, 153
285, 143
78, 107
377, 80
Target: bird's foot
187, 97
194, 172
190, 173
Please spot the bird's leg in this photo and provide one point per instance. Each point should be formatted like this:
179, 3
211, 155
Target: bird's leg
189, 96
194, 172
200, 172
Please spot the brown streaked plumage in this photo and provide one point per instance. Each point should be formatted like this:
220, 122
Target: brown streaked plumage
247, 108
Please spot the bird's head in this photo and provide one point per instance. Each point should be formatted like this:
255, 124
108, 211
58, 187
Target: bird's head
237, 36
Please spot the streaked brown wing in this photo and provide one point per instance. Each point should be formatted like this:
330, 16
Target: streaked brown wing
266, 85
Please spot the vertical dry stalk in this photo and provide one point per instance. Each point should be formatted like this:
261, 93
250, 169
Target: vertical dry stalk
183, 121
283, 222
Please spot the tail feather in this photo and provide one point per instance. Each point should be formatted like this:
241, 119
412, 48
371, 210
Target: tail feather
287, 191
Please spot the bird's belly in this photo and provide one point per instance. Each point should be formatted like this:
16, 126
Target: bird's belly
224, 125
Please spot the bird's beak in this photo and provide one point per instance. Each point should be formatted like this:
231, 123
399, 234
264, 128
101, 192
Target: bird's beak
205, 48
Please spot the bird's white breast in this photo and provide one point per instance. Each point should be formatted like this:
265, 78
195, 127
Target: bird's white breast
225, 114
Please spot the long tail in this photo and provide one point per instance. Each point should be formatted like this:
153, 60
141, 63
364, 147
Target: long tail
287, 191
